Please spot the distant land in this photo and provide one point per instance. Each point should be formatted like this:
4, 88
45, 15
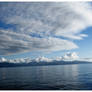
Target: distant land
7, 64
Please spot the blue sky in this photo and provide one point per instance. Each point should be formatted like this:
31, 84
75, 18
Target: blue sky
45, 29
85, 45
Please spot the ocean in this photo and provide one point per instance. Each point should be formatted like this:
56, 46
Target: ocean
52, 77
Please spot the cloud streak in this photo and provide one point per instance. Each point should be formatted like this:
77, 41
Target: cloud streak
45, 27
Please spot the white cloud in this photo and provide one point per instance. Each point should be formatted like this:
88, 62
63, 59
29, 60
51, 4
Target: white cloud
3, 59
43, 59
67, 57
43, 27
70, 56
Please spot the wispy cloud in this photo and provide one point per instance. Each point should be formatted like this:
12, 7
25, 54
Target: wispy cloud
43, 27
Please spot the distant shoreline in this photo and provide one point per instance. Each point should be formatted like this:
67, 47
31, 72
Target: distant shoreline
6, 64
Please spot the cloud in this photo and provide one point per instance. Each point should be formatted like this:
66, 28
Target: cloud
12, 42
70, 56
43, 59
3, 60
67, 57
45, 27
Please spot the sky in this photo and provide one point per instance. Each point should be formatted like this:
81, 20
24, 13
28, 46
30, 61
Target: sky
47, 29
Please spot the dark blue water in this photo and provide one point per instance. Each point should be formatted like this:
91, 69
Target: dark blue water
58, 77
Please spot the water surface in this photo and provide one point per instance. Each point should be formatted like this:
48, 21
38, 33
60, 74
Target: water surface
55, 77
